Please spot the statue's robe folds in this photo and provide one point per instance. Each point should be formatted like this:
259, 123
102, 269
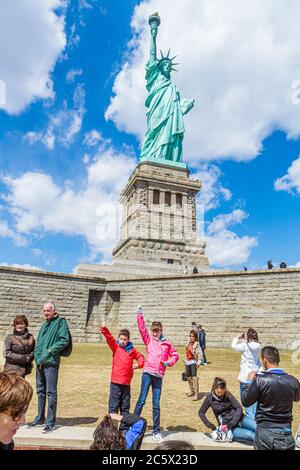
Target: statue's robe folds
165, 127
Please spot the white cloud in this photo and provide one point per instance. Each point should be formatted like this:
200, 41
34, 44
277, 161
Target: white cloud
223, 221
84, 4
93, 138
211, 191
36, 251
63, 125
297, 265
38, 205
22, 266
290, 181
32, 37
72, 74
238, 63
224, 247
7, 232
73, 38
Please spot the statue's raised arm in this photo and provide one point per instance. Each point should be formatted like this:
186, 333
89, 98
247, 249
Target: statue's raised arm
165, 127
154, 22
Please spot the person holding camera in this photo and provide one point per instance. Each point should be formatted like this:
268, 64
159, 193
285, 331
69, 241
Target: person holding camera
247, 344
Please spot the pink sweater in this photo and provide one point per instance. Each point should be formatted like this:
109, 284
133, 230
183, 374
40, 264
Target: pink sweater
157, 350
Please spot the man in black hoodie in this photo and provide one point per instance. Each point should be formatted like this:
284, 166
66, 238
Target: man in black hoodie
275, 391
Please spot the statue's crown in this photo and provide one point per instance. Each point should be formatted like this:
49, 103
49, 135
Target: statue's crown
170, 59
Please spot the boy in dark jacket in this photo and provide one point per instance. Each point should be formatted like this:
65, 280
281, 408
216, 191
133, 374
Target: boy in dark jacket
122, 369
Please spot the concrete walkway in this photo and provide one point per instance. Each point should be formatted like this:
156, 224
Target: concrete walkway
72, 437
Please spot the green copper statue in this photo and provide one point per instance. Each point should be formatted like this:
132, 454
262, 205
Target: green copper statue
165, 127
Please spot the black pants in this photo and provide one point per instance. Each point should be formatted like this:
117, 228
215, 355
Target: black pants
191, 370
273, 439
204, 356
119, 398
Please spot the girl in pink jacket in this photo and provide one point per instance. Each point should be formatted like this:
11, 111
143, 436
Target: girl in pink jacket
160, 353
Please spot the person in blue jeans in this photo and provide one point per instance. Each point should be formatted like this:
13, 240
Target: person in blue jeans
160, 354
249, 347
229, 414
53, 338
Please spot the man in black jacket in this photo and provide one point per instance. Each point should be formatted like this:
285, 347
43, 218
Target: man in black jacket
275, 391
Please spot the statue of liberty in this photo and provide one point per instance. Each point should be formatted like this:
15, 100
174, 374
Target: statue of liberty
165, 127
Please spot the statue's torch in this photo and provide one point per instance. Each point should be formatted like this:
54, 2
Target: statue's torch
154, 21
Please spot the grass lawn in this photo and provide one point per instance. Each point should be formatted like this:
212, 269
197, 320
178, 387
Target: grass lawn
84, 379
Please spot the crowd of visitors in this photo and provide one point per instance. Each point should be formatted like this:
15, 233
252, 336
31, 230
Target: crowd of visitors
267, 392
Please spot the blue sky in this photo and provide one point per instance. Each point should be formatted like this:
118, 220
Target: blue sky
73, 117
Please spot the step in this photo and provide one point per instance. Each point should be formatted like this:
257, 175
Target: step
77, 437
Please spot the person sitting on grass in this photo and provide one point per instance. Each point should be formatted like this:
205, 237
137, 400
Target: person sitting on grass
232, 425
160, 354
122, 369
116, 432
15, 397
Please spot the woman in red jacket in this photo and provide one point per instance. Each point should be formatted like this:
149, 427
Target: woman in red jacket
122, 369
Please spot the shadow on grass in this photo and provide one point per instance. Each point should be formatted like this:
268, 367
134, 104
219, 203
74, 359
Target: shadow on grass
179, 428
203, 395
76, 421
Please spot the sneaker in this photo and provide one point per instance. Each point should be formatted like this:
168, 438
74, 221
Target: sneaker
48, 428
158, 437
35, 423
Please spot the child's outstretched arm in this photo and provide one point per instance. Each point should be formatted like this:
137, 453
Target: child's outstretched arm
111, 342
174, 356
140, 360
141, 326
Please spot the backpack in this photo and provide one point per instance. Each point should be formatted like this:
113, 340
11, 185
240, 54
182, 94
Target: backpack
66, 352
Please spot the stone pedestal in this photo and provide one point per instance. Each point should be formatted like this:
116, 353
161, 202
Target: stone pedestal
159, 225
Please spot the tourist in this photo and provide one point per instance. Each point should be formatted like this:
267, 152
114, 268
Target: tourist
195, 270
202, 342
283, 265
270, 264
19, 347
274, 391
160, 353
228, 413
192, 362
185, 270
52, 339
117, 432
249, 346
122, 369
174, 444
15, 397
194, 326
